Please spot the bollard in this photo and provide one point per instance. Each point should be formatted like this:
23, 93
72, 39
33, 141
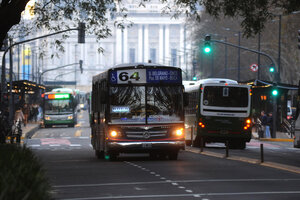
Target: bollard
227, 149
201, 144
192, 136
261, 153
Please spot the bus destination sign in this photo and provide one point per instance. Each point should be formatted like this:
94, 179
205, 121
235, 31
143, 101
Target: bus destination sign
145, 76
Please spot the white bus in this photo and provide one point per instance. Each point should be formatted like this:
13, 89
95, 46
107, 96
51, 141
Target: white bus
220, 111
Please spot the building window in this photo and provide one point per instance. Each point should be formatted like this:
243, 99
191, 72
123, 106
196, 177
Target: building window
153, 55
173, 57
131, 55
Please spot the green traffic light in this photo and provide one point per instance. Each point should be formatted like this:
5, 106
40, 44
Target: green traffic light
194, 78
274, 92
207, 49
271, 69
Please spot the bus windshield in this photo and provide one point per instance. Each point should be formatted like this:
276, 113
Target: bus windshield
58, 106
129, 104
225, 96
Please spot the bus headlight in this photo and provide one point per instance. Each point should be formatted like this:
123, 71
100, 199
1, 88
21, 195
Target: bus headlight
47, 118
70, 117
178, 132
114, 133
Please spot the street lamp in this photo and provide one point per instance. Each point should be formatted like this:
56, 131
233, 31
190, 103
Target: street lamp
239, 51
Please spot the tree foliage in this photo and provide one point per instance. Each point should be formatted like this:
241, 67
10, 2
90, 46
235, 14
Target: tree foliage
56, 15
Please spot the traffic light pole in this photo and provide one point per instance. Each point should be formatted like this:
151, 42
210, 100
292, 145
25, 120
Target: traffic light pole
274, 125
40, 77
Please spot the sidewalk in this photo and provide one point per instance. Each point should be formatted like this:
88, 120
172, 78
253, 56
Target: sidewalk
280, 137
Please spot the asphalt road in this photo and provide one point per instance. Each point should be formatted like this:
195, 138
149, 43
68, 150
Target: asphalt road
75, 173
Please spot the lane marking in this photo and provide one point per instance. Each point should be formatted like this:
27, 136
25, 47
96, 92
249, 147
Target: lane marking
54, 141
165, 182
75, 145
54, 145
78, 125
35, 145
78, 133
186, 195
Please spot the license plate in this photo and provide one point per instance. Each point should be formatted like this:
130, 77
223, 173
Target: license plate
146, 145
224, 132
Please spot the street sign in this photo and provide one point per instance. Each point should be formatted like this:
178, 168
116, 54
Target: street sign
254, 67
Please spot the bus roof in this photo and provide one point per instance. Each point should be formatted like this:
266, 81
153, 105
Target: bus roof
63, 90
191, 86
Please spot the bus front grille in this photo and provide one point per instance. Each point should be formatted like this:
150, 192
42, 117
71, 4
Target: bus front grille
146, 134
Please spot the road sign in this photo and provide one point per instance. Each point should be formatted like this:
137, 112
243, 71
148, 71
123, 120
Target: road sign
254, 67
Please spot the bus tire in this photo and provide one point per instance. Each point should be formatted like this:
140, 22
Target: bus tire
173, 155
99, 154
113, 156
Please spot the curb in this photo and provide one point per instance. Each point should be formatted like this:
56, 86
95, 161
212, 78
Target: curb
247, 160
31, 132
276, 139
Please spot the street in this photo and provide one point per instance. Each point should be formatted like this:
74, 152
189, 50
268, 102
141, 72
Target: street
75, 172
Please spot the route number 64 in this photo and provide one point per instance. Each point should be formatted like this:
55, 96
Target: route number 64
125, 77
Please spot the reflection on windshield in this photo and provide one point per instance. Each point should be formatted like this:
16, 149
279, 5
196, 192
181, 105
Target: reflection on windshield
164, 104
225, 96
128, 104
58, 106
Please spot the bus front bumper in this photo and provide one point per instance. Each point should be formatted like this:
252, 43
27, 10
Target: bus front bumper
145, 146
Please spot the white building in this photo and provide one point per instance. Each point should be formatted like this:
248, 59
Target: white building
152, 36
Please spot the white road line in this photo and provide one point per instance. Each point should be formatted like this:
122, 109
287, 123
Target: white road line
75, 145
189, 191
35, 145
177, 181
83, 137
54, 145
187, 195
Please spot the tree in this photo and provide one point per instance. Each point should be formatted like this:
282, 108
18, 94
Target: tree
95, 13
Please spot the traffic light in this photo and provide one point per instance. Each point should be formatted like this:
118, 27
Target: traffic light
81, 32
274, 90
272, 69
80, 66
194, 78
207, 46
298, 39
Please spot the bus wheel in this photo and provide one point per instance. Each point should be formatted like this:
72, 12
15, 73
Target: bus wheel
173, 155
99, 154
113, 156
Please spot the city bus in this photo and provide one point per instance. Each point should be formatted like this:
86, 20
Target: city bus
138, 108
60, 107
219, 110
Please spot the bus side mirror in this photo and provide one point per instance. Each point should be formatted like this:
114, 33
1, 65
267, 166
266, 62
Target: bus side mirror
185, 99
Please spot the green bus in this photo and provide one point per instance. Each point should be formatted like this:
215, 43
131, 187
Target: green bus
60, 107
219, 110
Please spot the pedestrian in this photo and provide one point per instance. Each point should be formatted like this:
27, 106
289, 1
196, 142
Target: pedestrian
263, 120
19, 115
270, 123
26, 113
